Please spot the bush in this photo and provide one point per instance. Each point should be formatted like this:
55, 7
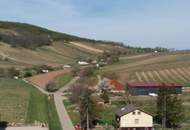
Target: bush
27, 74
105, 97
51, 86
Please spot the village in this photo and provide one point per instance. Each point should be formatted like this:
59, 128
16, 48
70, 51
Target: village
94, 65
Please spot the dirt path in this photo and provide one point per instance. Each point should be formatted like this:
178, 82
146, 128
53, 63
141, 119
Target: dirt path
42, 79
87, 47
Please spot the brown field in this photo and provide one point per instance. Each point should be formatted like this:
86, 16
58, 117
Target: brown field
87, 47
42, 79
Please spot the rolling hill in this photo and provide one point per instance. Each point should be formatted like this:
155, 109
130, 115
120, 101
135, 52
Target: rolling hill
23, 45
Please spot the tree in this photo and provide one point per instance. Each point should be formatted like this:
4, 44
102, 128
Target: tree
126, 96
87, 71
169, 108
76, 91
87, 111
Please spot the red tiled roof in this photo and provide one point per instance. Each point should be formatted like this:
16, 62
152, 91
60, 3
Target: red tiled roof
138, 84
115, 85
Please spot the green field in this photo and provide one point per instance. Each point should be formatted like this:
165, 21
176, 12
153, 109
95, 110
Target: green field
22, 103
63, 80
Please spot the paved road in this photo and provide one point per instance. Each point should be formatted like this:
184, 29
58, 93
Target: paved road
62, 113
64, 118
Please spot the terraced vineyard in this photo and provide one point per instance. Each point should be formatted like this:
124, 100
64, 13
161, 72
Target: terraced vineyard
170, 67
177, 75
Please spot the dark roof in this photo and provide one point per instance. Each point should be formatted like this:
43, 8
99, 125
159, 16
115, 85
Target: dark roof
138, 84
125, 110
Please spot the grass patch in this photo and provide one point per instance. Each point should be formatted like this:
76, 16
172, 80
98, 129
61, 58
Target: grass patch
54, 123
72, 111
107, 115
63, 80
22, 103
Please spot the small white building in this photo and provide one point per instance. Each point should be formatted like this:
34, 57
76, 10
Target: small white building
67, 66
45, 71
132, 118
83, 63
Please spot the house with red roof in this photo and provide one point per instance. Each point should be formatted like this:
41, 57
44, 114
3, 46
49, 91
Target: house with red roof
116, 87
151, 88
111, 85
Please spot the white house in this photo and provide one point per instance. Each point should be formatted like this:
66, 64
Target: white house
132, 118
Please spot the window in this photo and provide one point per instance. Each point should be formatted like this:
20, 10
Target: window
139, 112
134, 113
136, 121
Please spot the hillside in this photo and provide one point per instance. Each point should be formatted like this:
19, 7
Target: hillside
173, 67
23, 45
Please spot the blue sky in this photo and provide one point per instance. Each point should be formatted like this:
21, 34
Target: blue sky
146, 23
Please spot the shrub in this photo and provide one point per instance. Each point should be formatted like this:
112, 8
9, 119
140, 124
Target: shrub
51, 86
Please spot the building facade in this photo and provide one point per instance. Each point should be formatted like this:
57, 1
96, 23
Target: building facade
131, 118
152, 88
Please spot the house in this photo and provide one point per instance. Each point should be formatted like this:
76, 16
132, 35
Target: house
116, 87
111, 85
151, 88
132, 118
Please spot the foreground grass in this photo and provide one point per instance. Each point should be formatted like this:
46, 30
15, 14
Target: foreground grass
64, 79
54, 123
22, 103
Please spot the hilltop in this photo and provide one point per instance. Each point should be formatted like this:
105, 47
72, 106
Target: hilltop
24, 45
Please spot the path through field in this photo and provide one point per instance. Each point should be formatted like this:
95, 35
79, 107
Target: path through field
41, 80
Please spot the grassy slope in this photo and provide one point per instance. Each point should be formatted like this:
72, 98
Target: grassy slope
60, 51
22, 103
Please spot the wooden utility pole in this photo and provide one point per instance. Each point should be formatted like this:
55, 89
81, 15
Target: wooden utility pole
87, 120
164, 113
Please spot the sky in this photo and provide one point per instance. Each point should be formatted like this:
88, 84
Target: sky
145, 23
